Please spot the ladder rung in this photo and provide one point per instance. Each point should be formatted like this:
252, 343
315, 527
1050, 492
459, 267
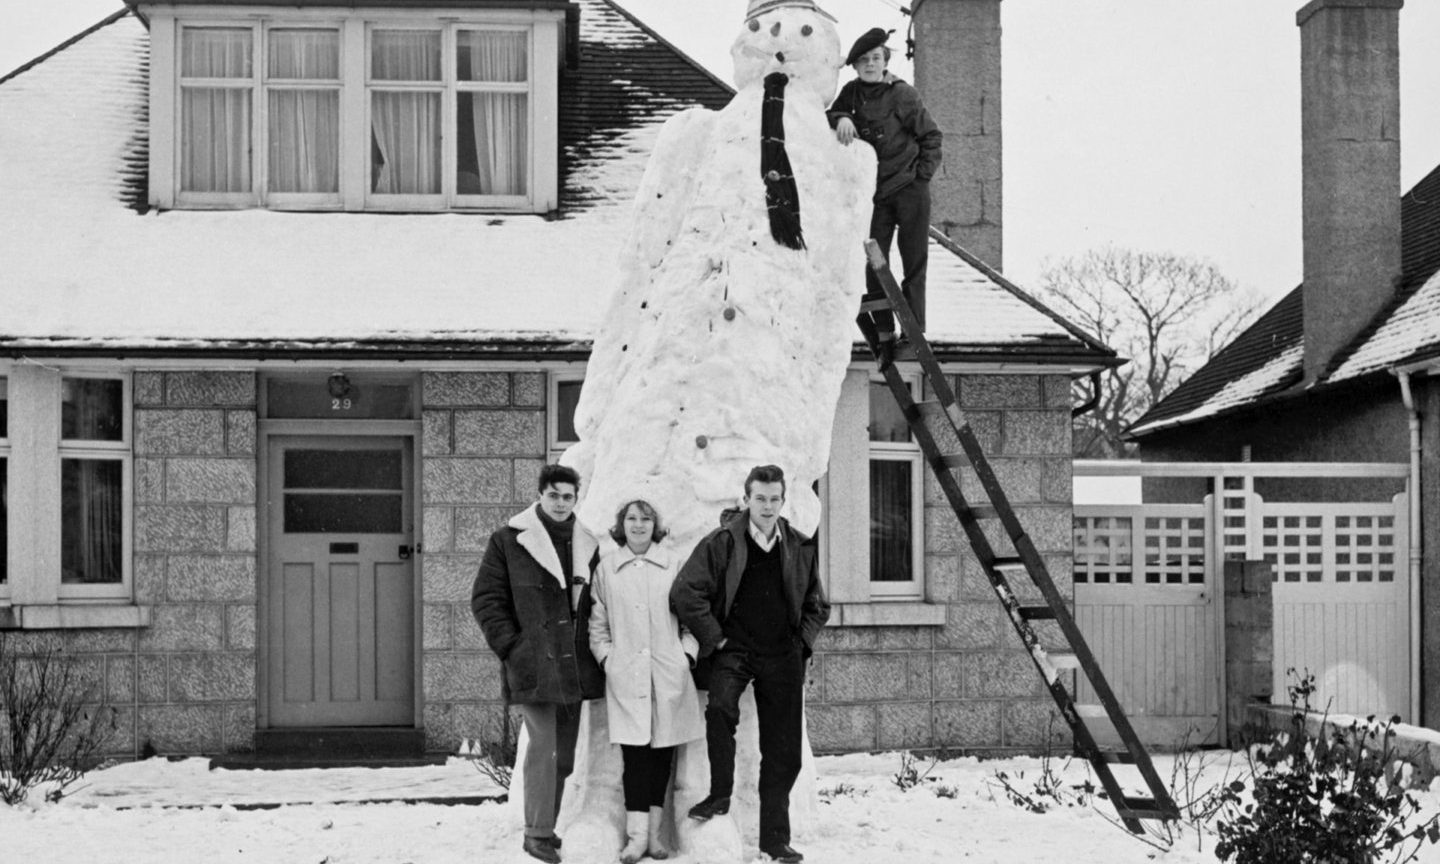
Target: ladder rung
930, 408
951, 460
1091, 711
1036, 613
983, 511
1062, 660
1116, 757
1003, 563
877, 305
1142, 808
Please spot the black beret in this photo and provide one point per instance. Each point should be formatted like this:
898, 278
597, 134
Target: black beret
868, 41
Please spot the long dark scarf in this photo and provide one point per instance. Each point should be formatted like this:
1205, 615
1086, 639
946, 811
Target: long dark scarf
782, 199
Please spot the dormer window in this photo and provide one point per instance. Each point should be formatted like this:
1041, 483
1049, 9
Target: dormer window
355, 109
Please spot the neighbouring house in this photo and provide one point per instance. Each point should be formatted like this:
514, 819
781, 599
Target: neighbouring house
1343, 368
298, 298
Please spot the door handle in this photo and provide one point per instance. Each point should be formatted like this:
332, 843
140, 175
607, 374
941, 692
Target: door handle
404, 553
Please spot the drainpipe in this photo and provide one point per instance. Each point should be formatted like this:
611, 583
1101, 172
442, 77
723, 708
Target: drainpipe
1414, 532
1089, 404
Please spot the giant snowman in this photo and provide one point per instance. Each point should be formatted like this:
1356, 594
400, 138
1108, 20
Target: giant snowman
724, 347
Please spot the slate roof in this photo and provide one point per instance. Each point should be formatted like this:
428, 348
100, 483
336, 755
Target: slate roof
1266, 360
91, 270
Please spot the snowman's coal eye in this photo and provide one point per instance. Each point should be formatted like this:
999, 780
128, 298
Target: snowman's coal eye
754, 26
806, 30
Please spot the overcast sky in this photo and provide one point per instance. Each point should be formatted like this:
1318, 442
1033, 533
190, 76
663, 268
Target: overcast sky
1165, 125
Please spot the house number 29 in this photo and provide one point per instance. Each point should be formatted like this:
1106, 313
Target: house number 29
341, 404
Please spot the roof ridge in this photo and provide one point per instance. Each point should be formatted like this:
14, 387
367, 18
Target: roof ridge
653, 34
30, 64
999, 279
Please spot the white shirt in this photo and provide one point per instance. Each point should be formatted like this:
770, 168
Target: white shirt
765, 543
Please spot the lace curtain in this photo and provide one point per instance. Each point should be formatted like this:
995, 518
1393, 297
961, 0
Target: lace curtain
405, 125
304, 123
215, 144
492, 157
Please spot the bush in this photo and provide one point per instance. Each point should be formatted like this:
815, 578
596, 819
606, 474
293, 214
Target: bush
53, 725
1335, 796
495, 757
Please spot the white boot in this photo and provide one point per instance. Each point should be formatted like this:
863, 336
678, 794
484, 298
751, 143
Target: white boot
658, 850
635, 828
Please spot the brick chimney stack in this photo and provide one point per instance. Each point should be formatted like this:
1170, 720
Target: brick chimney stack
1350, 158
957, 71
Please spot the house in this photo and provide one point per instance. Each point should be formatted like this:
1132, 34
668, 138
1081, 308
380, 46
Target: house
298, 298
1342, 368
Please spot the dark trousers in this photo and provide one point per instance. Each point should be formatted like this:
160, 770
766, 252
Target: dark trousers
553, 730
907, 210
646, 776
779, 683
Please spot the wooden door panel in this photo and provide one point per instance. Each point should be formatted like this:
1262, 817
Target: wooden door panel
342, 592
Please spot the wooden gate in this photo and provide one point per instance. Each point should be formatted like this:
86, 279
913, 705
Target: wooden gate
1341, 602
1145, 599
1149, 600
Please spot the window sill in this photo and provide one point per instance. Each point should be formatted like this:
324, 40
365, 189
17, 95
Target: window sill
901, 614
73, 616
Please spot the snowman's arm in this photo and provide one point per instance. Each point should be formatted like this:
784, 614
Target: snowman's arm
668, 186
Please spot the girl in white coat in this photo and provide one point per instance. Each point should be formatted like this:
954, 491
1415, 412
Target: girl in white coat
650, 698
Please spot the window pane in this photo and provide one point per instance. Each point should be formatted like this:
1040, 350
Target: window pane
491, 55
343, 469
304, 54
887, 423
354, 399
405, 143
891, 550
216, 52
91, 521
405, 55
493, 143
304, 141
92, 409
215, 141
343, 514
567, 396
4, 519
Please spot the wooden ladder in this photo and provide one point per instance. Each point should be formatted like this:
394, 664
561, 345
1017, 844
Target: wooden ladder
944, 416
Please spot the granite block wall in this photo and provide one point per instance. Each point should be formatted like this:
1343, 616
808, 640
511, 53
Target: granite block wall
966, 685
483, 445
186, 684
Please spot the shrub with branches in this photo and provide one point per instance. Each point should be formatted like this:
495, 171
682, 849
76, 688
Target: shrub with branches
1332, 796
495, 757
53, 724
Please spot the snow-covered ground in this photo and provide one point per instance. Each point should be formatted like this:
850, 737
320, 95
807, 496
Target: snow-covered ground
179, 811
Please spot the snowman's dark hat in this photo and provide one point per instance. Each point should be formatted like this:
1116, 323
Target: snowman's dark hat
760, 7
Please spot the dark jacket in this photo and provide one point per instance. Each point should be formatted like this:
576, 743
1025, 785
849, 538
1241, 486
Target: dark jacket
521, 602
705, 589
890, 117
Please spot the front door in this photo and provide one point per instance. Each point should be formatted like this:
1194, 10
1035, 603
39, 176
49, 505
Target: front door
340, 580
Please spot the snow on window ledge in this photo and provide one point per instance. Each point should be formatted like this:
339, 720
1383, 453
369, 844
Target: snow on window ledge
75, 616
887, 614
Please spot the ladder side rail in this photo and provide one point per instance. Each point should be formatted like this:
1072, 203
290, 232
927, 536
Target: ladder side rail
1025, 549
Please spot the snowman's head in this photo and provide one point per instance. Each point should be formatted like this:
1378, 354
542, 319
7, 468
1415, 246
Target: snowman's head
791, 36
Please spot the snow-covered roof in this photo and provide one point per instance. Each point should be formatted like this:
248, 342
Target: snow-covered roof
88, 267
1266, 361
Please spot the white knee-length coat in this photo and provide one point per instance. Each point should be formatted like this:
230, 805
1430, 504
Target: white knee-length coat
650, 697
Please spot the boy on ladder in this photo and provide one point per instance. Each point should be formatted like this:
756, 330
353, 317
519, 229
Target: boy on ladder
887, 113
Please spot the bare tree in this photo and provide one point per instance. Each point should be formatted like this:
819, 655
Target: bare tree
1167, 313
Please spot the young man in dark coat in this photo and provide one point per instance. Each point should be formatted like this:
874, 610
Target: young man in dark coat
532, 602
887, 114
750, 593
